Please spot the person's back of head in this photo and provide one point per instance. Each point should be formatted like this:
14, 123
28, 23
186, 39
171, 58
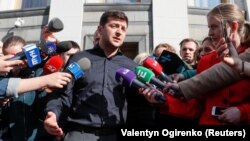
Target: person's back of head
74, 49
75, 45
141, 57
163, 46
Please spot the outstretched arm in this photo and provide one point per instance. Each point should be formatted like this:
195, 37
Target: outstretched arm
18, 86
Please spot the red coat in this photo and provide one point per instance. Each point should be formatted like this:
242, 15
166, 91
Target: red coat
182, 108
236, 95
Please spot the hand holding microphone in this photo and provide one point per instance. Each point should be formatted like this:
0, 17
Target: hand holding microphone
6, 64
128, 78
147, 76
31, 53
75, 69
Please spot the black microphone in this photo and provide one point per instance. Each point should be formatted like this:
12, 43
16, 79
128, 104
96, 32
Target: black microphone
55, 25
63, 46
128, 78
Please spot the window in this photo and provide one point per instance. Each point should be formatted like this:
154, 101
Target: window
117, 1
35, 3
22, 4
203, 3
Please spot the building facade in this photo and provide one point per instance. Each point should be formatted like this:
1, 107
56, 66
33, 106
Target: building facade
150, 21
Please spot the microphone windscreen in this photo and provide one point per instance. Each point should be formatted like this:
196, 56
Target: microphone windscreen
125, 76
144, 74
54, 64
84, 63
55, 25
153, 65
63, 46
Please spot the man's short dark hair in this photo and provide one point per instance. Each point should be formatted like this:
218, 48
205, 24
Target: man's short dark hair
117, 14
189, 40
12, 41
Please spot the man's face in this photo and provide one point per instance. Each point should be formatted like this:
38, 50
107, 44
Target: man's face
113, 33
13, 49
187, 52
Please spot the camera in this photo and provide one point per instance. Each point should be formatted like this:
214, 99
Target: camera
19, 22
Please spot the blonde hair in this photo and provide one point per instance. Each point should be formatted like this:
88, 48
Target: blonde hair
141, 57
167, 46
229, 13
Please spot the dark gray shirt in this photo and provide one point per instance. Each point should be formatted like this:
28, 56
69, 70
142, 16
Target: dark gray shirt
97, 99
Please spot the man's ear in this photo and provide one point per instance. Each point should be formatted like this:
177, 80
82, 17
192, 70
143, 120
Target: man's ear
99, 28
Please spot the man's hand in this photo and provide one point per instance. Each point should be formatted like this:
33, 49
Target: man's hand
149, 94
51, 126
173, 89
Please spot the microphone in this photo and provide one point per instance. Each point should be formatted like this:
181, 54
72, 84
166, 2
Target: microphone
54, 64
77, 69
63, 46
146, 75
47, 49
30, 52
55, 25
51, 48
128, 78
156, 68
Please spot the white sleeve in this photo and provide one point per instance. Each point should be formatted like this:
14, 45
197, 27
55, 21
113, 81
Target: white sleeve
12, 88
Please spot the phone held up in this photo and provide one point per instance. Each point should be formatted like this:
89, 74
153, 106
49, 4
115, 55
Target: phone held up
217, 110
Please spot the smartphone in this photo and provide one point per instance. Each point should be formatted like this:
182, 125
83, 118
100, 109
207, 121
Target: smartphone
217, 110
232, 50
223, 29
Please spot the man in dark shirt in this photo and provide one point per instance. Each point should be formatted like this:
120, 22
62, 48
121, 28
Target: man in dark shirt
96, 104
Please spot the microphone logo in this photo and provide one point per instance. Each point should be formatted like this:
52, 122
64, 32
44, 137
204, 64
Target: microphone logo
125, 71
155, 63
32, 54
76, 70
51, 68
141, 74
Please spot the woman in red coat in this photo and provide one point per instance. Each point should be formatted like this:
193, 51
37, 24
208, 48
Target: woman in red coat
236, 97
